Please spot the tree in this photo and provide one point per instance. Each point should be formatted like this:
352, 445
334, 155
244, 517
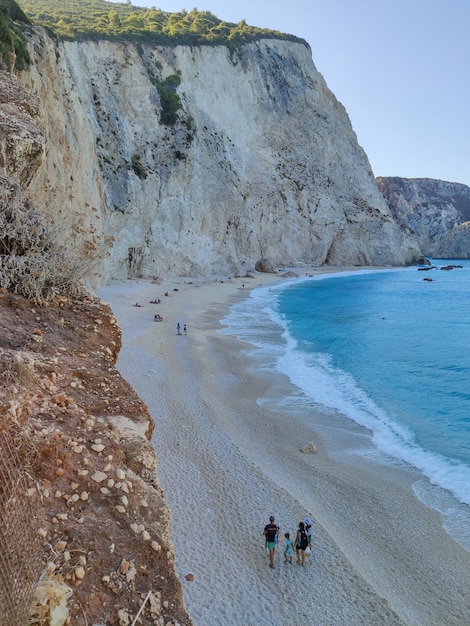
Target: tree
114, 20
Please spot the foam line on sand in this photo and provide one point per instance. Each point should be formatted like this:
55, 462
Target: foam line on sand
226, 462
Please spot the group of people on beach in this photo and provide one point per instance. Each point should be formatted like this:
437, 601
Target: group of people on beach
178, 329
302, 543
159, 318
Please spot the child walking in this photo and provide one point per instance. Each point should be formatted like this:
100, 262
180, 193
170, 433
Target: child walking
289, 549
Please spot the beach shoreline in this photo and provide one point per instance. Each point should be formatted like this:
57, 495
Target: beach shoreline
226, 463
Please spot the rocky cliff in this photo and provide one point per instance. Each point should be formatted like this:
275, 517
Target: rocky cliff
80, 501
455, 244
435, 213
258, 159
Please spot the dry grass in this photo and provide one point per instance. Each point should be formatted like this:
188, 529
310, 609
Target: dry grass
23, 367
17, 370
32, 262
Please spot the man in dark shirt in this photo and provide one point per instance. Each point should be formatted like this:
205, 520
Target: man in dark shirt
271, 532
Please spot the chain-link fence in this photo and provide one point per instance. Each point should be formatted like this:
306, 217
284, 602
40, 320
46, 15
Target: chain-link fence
20, 560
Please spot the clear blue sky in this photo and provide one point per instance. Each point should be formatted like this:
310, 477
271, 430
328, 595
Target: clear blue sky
400, 68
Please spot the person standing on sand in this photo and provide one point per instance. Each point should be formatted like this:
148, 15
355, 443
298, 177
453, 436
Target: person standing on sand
178, 329
185, 329
289, 549
308, 530
271, 533
300, 543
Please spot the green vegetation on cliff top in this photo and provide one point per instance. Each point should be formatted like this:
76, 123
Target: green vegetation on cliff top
12, 48
98, 19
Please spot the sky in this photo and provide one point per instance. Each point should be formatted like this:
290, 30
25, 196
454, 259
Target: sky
399, 67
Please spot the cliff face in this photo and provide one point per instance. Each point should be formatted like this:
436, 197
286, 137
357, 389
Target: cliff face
21, 139
455, 244
88, 516
435, 212
259, 161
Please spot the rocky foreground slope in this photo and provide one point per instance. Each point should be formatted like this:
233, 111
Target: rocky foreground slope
83, 435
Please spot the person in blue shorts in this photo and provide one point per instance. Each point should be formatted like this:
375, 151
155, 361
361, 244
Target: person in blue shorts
271, 533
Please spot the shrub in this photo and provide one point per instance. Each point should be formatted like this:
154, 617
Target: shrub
170, 101
12, 47
32, 263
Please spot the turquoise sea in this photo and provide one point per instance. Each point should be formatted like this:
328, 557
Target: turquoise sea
389, 350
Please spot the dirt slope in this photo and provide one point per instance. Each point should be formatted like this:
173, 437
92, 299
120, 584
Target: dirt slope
82, 434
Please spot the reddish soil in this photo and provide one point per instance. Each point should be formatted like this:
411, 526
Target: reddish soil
83, 435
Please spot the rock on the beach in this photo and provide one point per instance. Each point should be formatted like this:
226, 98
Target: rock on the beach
265, 265
308, 448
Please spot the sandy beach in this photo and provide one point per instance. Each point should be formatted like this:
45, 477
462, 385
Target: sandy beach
227, 462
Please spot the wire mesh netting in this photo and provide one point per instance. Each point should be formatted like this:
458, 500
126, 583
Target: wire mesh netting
20, 557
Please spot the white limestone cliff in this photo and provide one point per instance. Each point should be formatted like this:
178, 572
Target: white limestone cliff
261, 162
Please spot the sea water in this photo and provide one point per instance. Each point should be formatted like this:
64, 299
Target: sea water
389, 350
